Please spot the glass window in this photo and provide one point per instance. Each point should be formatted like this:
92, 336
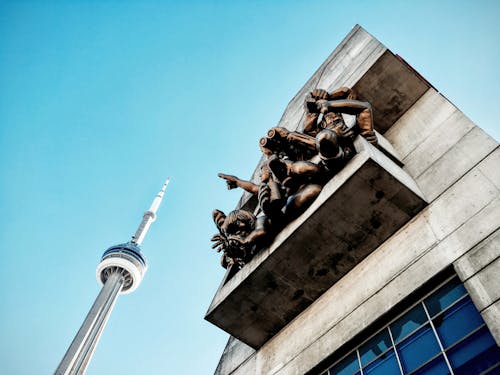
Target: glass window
408, 323
457, 322
475, 354
445, 296
385, 365
451, 338
375, 347
437, 366
348, 366
418, 349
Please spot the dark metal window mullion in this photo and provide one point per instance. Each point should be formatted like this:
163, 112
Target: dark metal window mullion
359, 361
438, 339
395, 351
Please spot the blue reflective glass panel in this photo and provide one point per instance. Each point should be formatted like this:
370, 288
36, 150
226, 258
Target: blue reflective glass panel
348, 366
475, 354
408, 323
444, 296
385, 365
436, 367
418, 348
375, 346
457, 322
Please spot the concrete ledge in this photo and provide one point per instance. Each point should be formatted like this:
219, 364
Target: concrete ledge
235, 353
386, 147
492, 318
484, 287
420, 122
362, 206
464, 155
479, 257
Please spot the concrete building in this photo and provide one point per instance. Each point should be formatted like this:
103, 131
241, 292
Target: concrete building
395, 267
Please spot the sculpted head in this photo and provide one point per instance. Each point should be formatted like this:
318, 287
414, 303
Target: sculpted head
239, 223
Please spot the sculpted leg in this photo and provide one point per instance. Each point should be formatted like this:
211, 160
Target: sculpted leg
304, 168
299, 202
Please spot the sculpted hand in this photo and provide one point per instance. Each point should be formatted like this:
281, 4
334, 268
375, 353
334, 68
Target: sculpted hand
344, 133
231, 181
319, 94
322, 105
370, 136
220, 242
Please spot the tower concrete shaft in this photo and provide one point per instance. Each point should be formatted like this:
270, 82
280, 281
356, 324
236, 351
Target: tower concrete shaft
79, 353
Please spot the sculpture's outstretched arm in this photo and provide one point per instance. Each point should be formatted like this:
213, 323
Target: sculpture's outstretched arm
234, 182
341, 93
351, 107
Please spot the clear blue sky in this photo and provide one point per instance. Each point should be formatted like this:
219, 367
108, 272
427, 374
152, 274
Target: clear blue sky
101, 100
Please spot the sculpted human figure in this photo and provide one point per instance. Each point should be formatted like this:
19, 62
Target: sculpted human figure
240, 233
297, 167
324, 121
284, 192
286, 187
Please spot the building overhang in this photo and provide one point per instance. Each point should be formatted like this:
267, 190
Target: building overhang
362, 206
357, 210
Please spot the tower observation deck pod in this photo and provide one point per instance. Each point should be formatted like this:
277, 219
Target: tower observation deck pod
120, 271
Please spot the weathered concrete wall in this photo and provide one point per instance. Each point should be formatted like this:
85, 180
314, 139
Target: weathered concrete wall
457, 167
438, 143
479, 269
421, 249
344, 67
235, 353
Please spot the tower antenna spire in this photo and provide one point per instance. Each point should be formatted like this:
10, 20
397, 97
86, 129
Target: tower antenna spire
149, 216
120, 271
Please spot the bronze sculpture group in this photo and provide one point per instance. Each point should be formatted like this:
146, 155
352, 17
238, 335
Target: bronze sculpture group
297, 166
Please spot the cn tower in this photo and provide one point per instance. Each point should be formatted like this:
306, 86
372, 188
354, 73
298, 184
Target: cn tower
120, 271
